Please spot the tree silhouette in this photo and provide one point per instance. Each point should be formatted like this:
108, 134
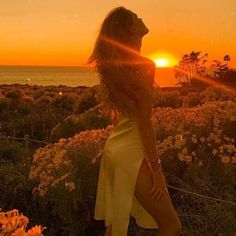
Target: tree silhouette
218, 68
190, 64
227, 59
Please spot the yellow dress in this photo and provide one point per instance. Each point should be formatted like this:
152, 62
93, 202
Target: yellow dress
115, 200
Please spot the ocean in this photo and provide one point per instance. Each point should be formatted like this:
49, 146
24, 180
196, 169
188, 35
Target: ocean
69, 76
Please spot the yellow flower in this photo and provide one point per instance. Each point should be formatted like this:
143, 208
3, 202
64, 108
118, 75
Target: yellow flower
180, 156
226, 138
178, 143
202, 139
184, 150
225, 159
214, 151
233, 160
188, 158
200, 163
70, 186
19, 232
221, 148
35, 231
194, 140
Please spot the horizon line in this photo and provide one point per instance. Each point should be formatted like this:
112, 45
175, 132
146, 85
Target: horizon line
81, 65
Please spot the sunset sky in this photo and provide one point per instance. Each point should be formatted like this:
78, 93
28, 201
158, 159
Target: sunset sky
63, 32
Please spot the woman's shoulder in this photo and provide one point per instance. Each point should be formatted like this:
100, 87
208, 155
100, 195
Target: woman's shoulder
147, 62
148, 69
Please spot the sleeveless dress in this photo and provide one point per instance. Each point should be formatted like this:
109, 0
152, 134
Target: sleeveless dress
121, 159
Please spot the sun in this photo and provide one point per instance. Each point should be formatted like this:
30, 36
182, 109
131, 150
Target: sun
161, 62
163, 59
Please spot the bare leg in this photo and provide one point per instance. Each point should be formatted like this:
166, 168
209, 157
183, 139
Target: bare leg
161, 210
108, 231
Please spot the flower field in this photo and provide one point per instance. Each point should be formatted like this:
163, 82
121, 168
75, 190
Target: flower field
196, 138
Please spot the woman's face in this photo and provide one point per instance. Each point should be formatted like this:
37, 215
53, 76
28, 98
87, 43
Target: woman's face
138, 27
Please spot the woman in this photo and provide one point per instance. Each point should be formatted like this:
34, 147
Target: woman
130, 180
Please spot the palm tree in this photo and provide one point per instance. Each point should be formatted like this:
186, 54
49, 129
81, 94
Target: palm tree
227, 59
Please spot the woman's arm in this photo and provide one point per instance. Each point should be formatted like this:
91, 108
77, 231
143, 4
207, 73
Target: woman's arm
114, 117
145, 112
145, 125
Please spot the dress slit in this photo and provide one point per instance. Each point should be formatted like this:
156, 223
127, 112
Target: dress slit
115, 200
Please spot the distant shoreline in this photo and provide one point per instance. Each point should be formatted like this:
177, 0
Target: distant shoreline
61, 86
76, 66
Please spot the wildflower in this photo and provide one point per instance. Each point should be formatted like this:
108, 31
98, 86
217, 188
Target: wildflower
194, 153
225, 159
214, 151
188, 158
178, 143
200, 163
202, 139
70, 186
194, 139
233, 160
19, 232
14, 224
35, 231
181, 156
226, 138
184, 150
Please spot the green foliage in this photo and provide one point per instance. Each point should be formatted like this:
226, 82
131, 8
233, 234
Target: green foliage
191, 100
216, 94
75, 123
66, 172
167, 99
64, 103
38, 93
14, 94
11, 152
87, 101
4, 106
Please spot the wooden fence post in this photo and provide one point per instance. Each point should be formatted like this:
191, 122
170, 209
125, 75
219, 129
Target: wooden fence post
26, 138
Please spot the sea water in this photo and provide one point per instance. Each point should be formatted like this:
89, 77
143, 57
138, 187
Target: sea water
72, 76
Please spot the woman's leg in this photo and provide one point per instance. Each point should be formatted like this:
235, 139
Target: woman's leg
108, 231
161, 210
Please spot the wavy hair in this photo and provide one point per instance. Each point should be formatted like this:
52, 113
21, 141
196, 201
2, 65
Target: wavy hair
118, 63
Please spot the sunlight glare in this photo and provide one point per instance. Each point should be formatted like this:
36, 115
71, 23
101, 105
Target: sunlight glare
164, 59
161, 62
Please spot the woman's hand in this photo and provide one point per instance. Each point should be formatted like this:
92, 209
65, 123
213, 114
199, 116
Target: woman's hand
158, 183
114, 117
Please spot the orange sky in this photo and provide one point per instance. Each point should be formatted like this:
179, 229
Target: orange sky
63, 32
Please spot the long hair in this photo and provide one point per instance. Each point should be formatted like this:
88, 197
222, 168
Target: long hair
117, 63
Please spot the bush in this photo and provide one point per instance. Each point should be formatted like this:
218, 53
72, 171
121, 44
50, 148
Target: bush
191, 100
75, 123
167, 99
216, 94
64, 103
14, 94
11, 152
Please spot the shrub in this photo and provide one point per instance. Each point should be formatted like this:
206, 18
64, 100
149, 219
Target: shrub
14, 94
167, 99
